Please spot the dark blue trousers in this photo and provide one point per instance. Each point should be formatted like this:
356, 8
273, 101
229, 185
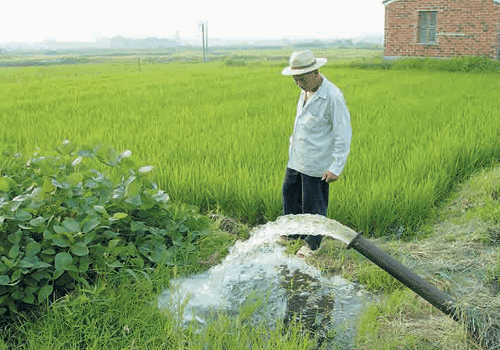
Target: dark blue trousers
303, 194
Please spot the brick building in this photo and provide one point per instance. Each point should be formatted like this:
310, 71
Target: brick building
442, 28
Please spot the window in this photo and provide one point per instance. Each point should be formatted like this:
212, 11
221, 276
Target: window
427, 23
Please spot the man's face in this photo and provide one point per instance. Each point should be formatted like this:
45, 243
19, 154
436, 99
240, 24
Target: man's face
306, 81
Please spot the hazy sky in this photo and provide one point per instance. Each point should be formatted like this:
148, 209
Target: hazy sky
66, 20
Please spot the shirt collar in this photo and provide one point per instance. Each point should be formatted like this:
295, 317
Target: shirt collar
321, 90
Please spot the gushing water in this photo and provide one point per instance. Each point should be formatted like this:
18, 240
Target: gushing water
258, 267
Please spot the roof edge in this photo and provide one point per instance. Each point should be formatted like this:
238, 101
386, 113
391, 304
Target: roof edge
387, 2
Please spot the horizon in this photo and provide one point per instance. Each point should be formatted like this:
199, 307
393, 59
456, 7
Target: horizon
56, 20
190, 41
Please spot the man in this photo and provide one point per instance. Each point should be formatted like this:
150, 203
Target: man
319, 145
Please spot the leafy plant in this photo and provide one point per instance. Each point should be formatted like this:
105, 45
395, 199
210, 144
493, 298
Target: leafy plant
62, 221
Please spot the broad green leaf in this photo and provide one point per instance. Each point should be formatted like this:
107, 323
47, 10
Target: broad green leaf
138, 262
135, 201
145, 169
91, 224
49, 251
47, 234
110, 234
100, 209
25, 263
15, 238
59, 229
89, 237
84, 263
17, 294
38, 221
32, 288
91, 184
119, 216
44, 293
41, 264
113, 243
63, 261
74, 179
4, 280
16, 275
133, 189
14, 251
32, 262
47, 185
137, 226
71, 225
161, 197
4, 185
79, 249
33, 248
29, 298
115, 264
60, 241
57, 274
9, 263
23, 215
158, 254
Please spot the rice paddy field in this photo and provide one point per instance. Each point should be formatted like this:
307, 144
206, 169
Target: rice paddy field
218, 135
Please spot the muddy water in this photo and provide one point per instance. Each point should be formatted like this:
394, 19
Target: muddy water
287, 287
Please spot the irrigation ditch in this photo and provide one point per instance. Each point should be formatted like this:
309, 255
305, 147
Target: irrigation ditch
296, 291
453, 265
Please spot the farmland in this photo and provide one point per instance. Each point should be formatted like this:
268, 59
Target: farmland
218, 135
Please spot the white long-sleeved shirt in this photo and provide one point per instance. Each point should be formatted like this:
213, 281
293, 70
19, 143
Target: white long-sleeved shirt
322, 132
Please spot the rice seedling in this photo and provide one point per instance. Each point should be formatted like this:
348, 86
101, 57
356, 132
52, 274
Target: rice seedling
219, 135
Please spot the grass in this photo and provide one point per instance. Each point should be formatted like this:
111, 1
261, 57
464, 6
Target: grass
120, 312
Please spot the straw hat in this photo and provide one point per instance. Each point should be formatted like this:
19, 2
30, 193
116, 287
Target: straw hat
302, 62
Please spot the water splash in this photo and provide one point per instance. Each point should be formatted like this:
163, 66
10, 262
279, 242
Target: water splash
289, 286
308, 224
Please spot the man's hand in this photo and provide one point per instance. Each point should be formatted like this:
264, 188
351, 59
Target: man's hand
328, 176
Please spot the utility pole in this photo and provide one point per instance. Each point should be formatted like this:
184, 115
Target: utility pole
204, 38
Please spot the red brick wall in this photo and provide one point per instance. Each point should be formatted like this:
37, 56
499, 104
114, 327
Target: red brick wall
464, 27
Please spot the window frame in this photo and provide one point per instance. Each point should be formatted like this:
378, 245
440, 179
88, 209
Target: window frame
427, 27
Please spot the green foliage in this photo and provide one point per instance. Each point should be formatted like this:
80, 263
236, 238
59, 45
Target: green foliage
62, 221
465, 64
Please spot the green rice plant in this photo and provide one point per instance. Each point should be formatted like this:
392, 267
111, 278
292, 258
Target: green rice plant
219, 135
